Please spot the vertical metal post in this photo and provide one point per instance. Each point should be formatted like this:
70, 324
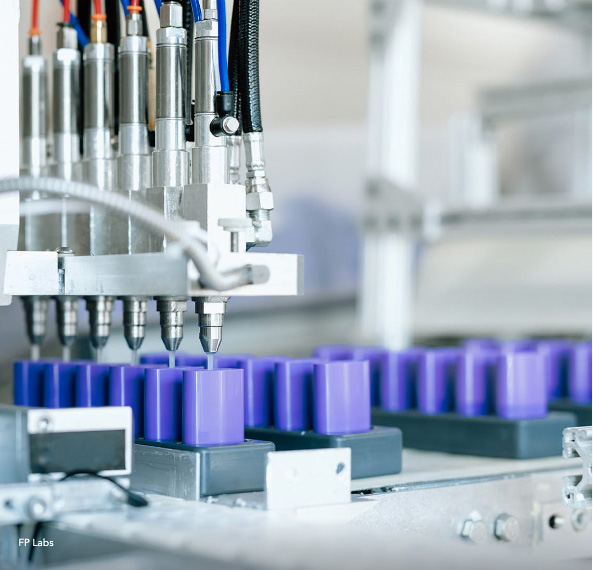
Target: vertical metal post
9, 141
385, 304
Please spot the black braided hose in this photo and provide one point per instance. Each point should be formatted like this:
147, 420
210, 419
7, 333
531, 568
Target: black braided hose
249, 65
234, 63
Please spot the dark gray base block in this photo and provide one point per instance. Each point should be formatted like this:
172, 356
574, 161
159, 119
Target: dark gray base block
581, 411
486, 436
375, 452
222, 469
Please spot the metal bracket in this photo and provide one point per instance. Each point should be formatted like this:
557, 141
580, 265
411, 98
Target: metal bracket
576, 442
303, 478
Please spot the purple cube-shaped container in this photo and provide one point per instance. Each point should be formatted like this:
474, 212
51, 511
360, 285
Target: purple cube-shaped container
490, 344
190, 360
157, 358
293, 394
334, 351
579, 373
398, 379
230, 360
258, 385
521, 386
374, 354
342, 397
126, 388
517, 345
92, 385
474, 382
555, 354
436, 379
213, 407
59, 381
162, 404
28, 382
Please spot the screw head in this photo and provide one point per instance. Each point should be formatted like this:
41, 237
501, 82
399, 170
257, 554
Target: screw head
234, 224
230, 125
44, 424
475, 531
507, 528
36, 507
579, 519
64, 251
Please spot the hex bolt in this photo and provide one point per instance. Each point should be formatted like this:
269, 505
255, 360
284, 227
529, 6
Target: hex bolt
579, 519
36, 507
475, 531
235, 226
506, 528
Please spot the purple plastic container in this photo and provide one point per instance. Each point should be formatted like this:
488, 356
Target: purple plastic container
162, 407
334, 351
436, 379
158, 358
474, 382
59, 380
374, 354
92, 385
579, 373
258, 380
342, 397
189, 360
213, 407
230, 360
28, 382
521, 388
126, 388
398, 379
555, 354
293, 394
481, 344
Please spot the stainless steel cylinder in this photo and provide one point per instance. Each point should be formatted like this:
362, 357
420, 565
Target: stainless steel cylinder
37, 232
170, 159
99, 98
74, 225
133, 85
34, 115
209, 155
99, 155
134, 161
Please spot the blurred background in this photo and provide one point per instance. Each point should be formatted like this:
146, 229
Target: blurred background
432, 161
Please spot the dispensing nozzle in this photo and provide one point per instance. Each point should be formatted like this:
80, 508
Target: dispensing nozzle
210, 311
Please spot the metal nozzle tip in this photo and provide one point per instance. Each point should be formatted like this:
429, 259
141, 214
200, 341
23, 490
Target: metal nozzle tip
134, 342
171, 344
210, 339
99, 342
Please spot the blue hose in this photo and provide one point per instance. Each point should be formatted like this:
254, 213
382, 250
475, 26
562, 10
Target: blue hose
82, 39
158, 4
222, 55
195, 6
124, 5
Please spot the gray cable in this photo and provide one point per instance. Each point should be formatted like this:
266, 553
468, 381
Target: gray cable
210, 277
